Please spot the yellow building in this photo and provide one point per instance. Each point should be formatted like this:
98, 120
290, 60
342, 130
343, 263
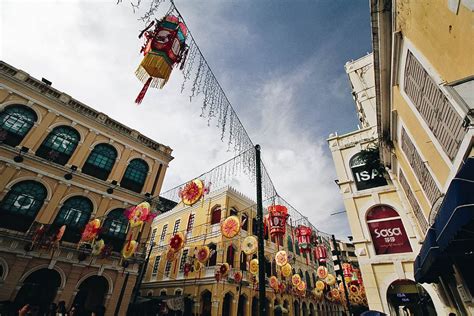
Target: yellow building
63, 163
202, 294
384, 230
424, 82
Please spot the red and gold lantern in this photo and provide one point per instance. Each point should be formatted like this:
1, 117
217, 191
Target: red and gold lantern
277, 216
164, 47
347, 269
321, 254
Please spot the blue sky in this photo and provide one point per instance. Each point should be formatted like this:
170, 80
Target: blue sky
280, 62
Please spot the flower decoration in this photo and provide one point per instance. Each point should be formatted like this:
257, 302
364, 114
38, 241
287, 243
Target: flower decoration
273, 282
171, 255
138, 214
331, 280
238, 276
354, 290
335, 294
253, 266
129, 249
90, 231
301, 286
187, 268
192, 192
281, 258
230, 226
203, 254
224, 269
296, 279
197, 266
177, 242
97, 247
322, 272
320, 285
286, 270
250, 245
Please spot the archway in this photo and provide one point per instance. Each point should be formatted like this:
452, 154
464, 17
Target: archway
39, 289
242, 307
227, 304
206, 303
296, 308
255, 306
305, 309
312, 312
92, 292
407, 295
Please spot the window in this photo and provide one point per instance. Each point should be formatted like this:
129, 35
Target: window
465, 90
245, 222
297, 247
366, 177
213, 258
168, 268
114, 229
216, 215
184, 257
230, 255
233, 212
156, 265
21, 204
15, 122
243, 261
268, 268
152, 237
59, 145
100, 161
387, 231
308, 280
135, 175
75, 214
189, 228
176, 226
254, 226
290, 244
163, 232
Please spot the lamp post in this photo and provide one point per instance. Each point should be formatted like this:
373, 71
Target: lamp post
261, 252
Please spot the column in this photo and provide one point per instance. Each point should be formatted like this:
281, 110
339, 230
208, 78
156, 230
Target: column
32, 140
117, 173
49, 212
7, 175
83, 150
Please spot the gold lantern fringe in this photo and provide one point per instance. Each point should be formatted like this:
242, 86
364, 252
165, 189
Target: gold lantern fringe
155, 66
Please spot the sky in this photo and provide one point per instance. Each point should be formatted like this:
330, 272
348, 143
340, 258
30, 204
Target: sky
280, 62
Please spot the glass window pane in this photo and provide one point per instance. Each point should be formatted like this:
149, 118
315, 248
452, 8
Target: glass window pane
103, 156
17, 119
74, 213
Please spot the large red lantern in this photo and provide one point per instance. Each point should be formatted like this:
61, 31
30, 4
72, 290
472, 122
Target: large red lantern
347, 269
164, 47
277, 216
321, 254
303, 233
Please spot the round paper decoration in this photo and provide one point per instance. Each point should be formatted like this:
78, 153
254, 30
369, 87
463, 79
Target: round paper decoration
250, 245
177, 242
281, 258
253, 266
320, 285
354, 290
192, 192
224, 269
97, 248
301, 286
286, 270
322, 272
330, 280
273, 281
203, 254
91, 231
197, 266
230, 226
296, 279
138, 214
129, 249
335, 294
238, 276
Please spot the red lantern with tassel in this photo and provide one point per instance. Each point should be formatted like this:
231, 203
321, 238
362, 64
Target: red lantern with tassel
303, 233
320, 252
277, 216
164, 47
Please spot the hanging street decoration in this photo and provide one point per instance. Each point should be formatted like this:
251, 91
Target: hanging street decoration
203, 254
281, 258
276, 221
176, 242
139, 214
322, 272
253, 266
192, 192
230, 227
129, 249
90, 232
286, 270
250, 245
320, 253
165, 46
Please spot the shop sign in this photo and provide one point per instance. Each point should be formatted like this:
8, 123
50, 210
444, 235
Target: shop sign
389, 236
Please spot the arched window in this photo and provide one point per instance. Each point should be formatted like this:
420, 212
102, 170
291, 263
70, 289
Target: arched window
135, 175
75, 214
101, 161
243, 261
216, 215
213, 258
230, 255
245, 222
387, 230
297, 247
59, 145
15, 122
22, 203
233, 211
290, 244
365, 175
308, 280
254, 226
114, 229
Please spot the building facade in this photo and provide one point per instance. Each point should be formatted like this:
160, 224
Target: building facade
424, 82
384, 230
64, 163
201, 224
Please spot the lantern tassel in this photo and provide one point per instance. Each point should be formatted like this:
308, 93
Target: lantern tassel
142, 93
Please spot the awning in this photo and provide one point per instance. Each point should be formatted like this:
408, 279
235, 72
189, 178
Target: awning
454, 223
430, 262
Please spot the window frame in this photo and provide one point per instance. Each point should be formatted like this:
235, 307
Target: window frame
14, 136
49, 149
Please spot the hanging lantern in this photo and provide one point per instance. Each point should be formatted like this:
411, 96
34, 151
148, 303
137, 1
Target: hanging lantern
347, 269
164, 47
303, 233
320, 253
277, 216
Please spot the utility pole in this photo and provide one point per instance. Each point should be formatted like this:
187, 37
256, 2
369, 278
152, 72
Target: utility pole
337, 253
136, 289
261, 252
122, 292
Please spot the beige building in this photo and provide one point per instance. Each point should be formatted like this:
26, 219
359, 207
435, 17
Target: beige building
202, 294
385, 233
64, 163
